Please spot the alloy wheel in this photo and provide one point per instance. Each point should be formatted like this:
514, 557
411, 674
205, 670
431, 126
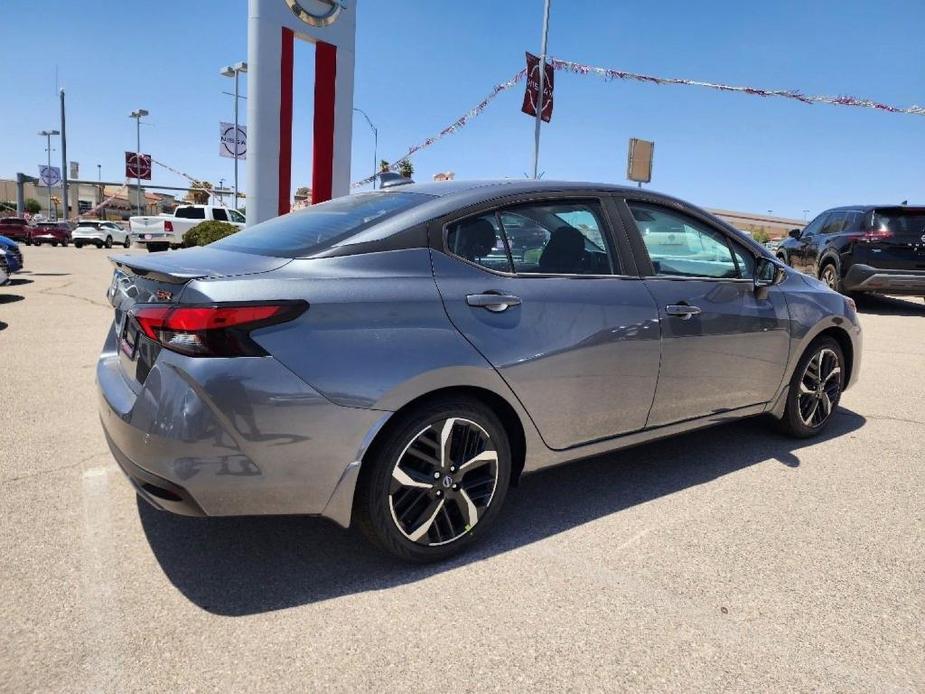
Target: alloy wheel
820, 387
443, 482
829, 276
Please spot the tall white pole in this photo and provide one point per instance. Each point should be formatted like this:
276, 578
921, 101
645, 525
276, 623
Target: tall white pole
237, 76
48, 145
539, 104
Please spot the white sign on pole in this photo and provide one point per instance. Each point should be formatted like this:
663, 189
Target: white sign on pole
231, 146
50, 176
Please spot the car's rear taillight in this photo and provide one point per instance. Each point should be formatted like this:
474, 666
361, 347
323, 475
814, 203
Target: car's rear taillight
168, 226
218, 330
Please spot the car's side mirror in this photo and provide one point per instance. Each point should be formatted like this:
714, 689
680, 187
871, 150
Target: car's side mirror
767, 274
795, 233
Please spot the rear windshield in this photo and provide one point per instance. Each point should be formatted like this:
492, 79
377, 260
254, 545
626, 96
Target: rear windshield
903, 223
13, 221
190, 213
92, 225
320, 226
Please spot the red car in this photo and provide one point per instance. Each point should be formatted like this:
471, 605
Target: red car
51, 232
16, 229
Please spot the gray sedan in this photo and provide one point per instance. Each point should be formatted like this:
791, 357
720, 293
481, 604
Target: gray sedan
398, 359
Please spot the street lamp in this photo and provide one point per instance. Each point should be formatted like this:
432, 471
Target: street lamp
375, 144
138, 115
235, 71
47, 134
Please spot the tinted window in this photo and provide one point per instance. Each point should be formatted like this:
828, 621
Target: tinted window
834, 223
479, 240
852, 221
558, 237
236, 216
683, 247
906, 224
219, 214
814, 226
190, 213
13, 221
321, 226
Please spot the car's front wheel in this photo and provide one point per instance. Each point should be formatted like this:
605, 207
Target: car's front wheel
436, 481
108, 242
829, 275
78, 244
128, 242
815, 389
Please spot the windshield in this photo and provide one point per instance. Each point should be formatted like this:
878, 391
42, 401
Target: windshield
320, 226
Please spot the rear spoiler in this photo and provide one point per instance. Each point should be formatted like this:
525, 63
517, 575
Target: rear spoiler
154, 268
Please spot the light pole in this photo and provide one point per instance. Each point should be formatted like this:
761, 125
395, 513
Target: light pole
375, 144
138, 115
805, 212
235, 71
99, 178
539, 97
47, 134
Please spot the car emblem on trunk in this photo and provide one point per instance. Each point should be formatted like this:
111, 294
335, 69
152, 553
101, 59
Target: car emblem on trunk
923, 238
163, 295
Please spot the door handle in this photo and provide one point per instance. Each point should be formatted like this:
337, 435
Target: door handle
683, 311
493, 302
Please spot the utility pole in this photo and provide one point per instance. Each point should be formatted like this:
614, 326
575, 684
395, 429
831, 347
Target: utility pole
138, 115
375, 144
47, 134
235, 71
539, 105
64, 170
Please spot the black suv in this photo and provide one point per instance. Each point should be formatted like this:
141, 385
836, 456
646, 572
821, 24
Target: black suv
862, 248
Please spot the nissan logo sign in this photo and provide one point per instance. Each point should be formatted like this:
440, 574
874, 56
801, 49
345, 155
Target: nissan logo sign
323, 12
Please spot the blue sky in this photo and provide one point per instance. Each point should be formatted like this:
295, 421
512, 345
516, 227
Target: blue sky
421, 64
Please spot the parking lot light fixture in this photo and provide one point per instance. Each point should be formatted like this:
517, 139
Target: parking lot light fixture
138, 114
235, 71
48, 134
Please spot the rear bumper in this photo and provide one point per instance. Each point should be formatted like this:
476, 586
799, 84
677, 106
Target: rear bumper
226, 437
864, 278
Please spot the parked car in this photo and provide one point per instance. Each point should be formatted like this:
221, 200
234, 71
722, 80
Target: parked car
100, 234
166, 231
16, 228
369, 359
862, 248
4, 269
13, 254
54, 233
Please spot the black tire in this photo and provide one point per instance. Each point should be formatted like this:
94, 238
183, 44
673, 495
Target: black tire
795, 421
828, 274
157, 247
98, 244
127, 243
108, 242
474, 431
783, 258
54, 244
78, 244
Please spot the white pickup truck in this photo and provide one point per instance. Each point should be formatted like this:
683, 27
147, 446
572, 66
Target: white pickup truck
166, 231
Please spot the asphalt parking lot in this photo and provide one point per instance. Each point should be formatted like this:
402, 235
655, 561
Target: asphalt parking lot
728, 559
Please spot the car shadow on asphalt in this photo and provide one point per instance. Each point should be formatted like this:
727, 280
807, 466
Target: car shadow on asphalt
18, 282
4, 326
10, 298
248, 565
890, 306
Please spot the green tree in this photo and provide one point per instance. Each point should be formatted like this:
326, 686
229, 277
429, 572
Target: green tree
33, 206
383, 166
199, 196
761, 236
406, 168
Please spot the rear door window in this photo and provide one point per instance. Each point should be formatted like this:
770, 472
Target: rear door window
834, 223
480, 240
219, 214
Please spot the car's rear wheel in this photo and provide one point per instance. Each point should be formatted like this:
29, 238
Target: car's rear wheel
78, 244
436, 481
829, 275
127, 243
815, 389
108, 242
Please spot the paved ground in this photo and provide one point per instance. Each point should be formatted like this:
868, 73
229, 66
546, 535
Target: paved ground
731, 559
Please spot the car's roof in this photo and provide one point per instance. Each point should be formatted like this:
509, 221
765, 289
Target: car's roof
504, 186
